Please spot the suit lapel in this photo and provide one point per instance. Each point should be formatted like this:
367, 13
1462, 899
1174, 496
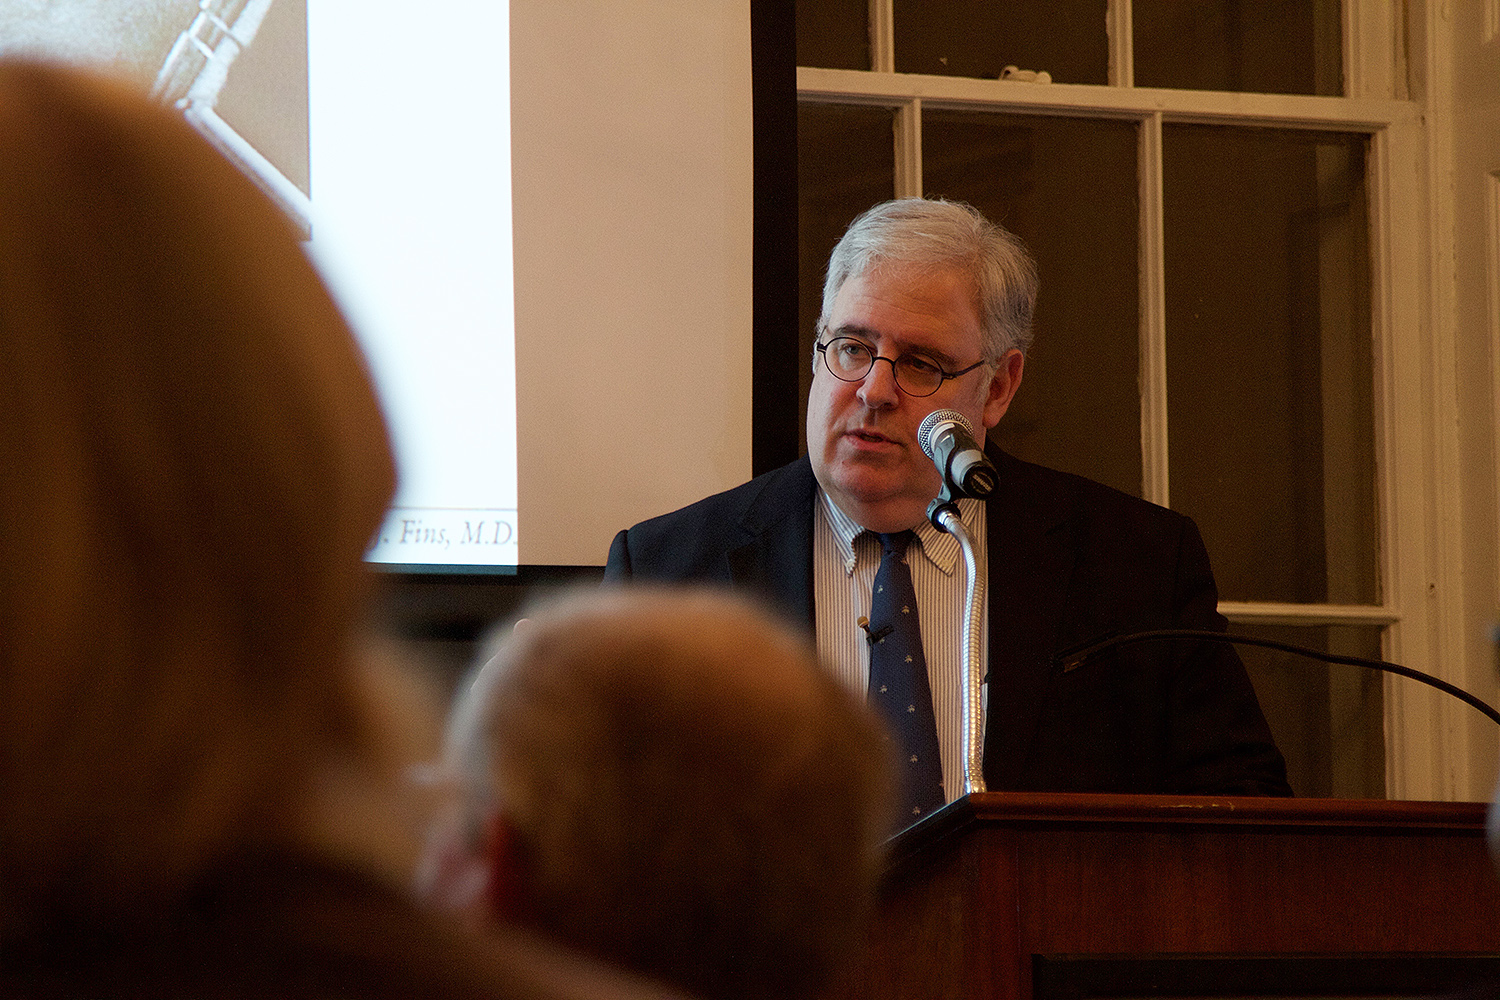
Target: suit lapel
776, 559
1032, 554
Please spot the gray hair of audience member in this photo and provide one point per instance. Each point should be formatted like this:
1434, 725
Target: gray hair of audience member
693, 797
930, 234
192, 461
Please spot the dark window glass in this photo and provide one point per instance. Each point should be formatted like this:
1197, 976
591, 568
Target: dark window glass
833, 34
1269, 373
1067, 187
846, 162
1261, 46
979, 38
1328, 720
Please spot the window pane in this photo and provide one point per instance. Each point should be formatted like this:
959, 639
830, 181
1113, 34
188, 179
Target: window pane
1262, 46
834, 34
1328, 719
1269, 382
1067, 187
846, 162
1067, 38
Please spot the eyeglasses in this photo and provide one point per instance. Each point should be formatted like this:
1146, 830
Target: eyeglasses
850, 360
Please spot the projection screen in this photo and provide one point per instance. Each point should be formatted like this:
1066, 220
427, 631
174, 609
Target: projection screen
538, 221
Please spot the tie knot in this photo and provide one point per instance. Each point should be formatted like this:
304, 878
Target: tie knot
895, 543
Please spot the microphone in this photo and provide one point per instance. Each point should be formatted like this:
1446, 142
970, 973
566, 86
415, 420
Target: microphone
947, 438
873, 637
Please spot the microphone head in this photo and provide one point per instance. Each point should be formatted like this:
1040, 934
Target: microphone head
932, 424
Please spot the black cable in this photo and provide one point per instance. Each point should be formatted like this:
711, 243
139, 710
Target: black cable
1073, 659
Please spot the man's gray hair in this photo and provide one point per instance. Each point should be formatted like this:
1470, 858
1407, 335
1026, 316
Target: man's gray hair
935, 234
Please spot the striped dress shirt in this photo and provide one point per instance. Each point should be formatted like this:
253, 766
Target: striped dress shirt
845, 559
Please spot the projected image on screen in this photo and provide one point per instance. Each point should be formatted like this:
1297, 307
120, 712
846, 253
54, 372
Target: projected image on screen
399, 172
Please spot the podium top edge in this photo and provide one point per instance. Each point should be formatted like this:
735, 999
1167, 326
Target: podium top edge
1076, 809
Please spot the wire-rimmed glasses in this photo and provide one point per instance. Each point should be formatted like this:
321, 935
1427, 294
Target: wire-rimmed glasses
850, 360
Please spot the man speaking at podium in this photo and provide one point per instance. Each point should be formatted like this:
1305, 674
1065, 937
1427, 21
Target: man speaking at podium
927, 306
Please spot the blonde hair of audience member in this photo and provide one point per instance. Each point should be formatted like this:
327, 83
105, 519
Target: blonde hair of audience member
667, 779
192, 461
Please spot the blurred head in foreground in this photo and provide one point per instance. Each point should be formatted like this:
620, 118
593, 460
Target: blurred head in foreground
667, 779
202, 771
192, 462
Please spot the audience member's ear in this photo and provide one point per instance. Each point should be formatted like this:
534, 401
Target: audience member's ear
506, 892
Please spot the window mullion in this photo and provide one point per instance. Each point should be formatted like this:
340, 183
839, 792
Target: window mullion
1118, 21
1153, 333
1212, 107
882, 36
1274, 613
908, 138
1374, 49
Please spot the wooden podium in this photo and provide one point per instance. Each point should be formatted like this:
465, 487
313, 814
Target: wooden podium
1048, 896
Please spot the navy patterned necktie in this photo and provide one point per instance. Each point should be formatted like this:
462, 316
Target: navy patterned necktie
899, 689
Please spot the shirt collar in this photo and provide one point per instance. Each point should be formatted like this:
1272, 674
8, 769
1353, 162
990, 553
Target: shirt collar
844, 531
940, 548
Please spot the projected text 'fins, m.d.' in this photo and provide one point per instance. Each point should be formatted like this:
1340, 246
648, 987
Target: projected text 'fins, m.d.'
446, 535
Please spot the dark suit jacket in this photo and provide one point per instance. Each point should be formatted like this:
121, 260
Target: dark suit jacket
1070, 562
